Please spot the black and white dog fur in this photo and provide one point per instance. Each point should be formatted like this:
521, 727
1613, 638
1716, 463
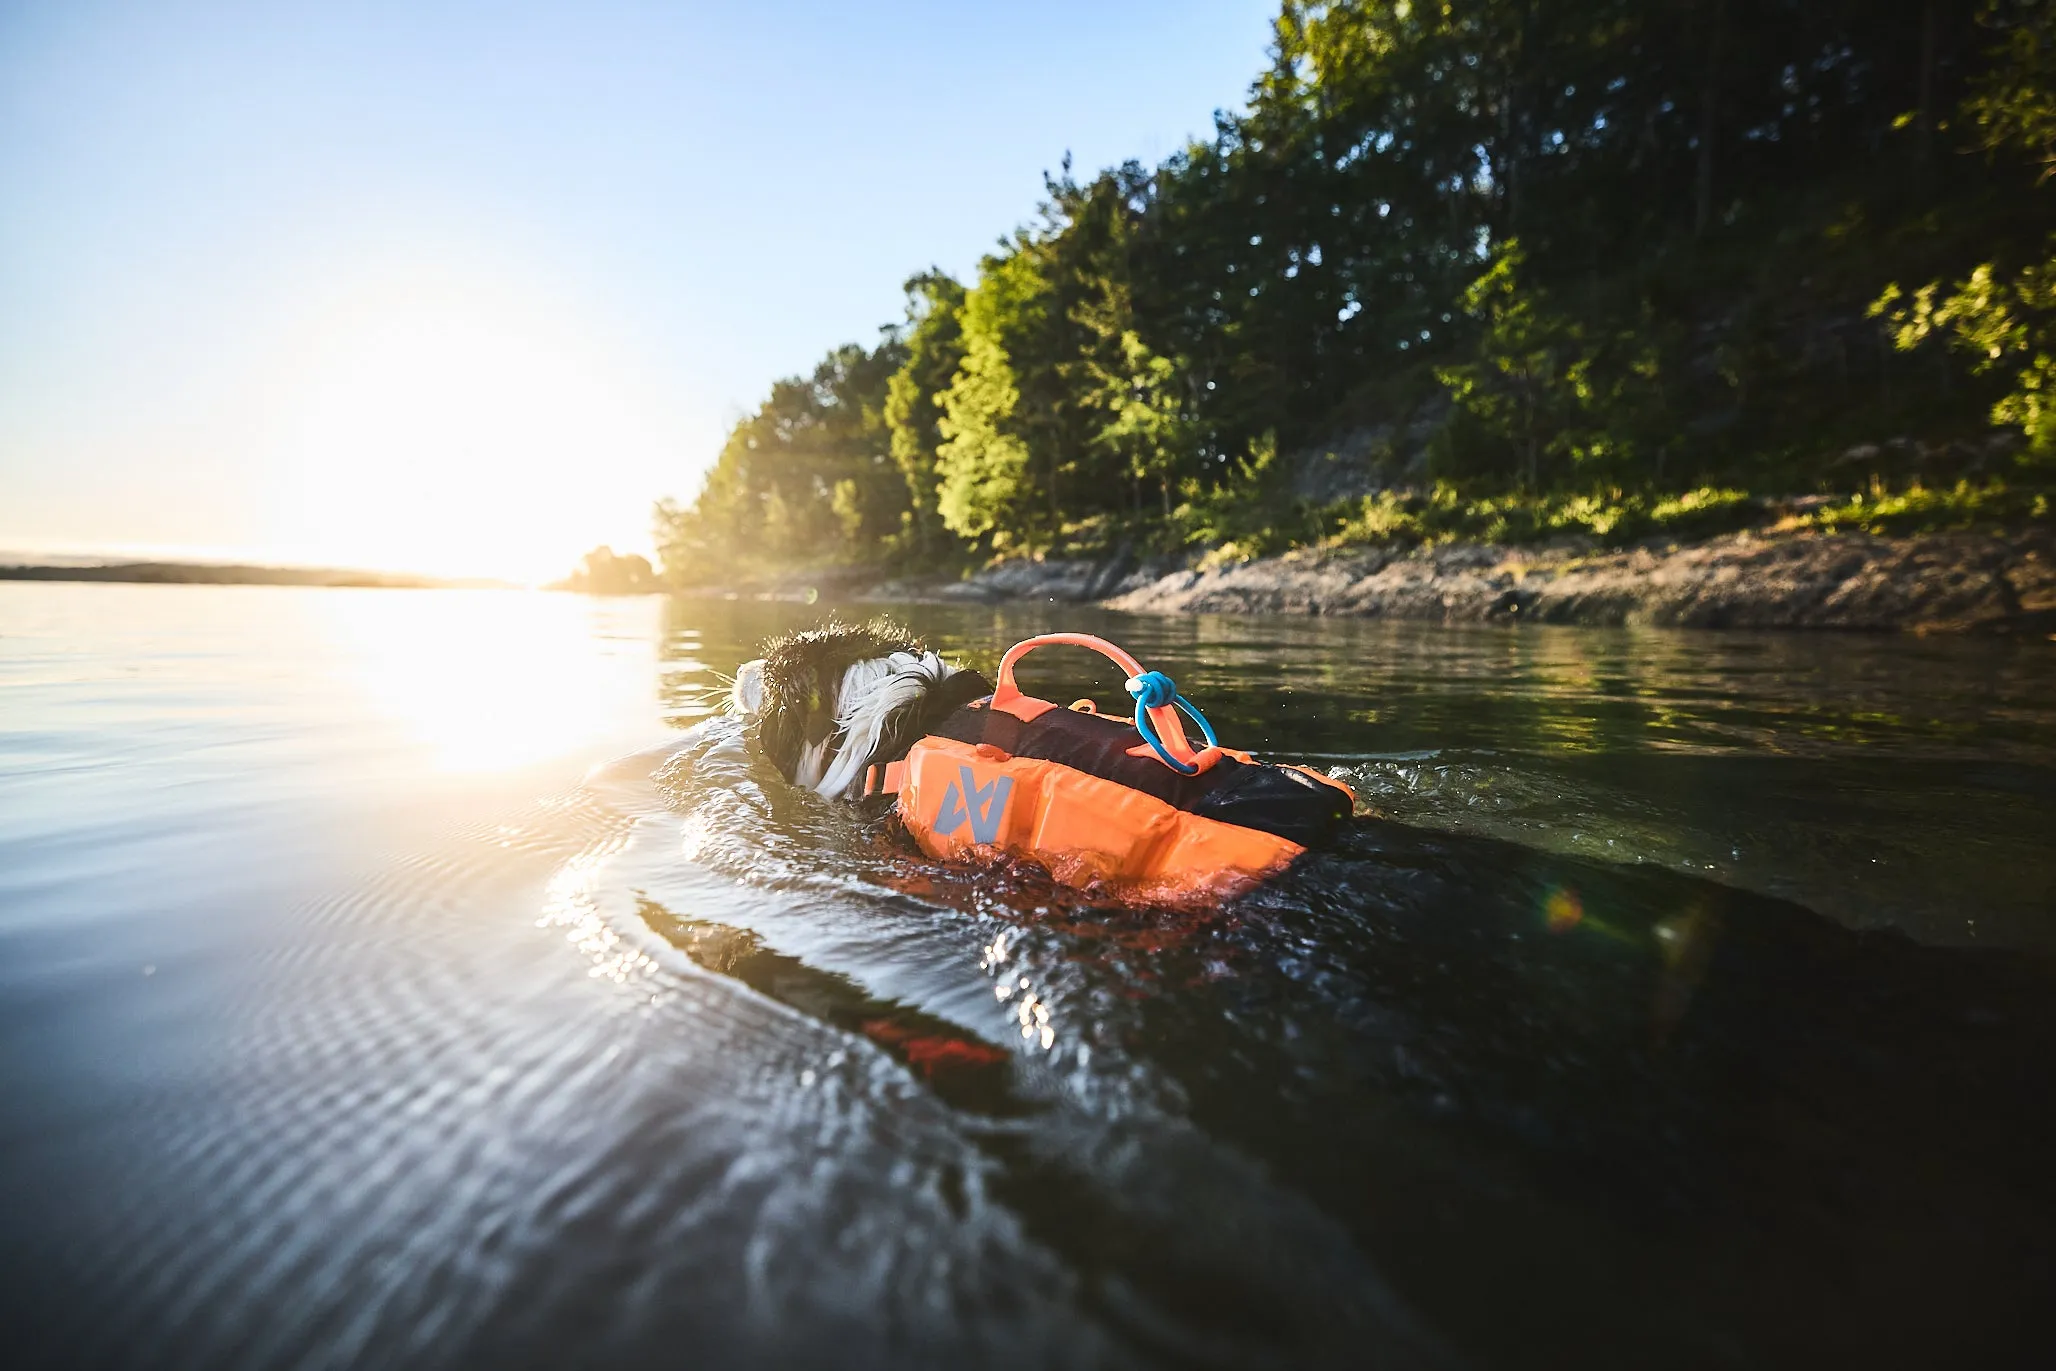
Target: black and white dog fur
831, 703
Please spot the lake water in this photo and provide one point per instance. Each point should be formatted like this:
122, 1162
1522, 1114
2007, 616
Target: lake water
418, 978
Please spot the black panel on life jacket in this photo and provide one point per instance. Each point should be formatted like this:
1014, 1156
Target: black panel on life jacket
1271, 799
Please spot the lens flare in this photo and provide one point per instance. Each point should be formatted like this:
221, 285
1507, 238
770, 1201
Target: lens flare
1562, 910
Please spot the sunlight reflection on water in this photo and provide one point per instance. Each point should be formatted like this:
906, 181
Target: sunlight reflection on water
499, 679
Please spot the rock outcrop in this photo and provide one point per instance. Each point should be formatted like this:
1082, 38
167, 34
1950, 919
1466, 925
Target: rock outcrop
1936, 582
1064, 580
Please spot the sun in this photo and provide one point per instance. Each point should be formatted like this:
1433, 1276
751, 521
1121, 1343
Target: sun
458, 426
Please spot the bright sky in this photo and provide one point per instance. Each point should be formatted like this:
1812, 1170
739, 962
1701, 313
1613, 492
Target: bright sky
465, 287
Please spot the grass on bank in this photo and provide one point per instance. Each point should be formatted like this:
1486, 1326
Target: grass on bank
1440, 513
1616, 517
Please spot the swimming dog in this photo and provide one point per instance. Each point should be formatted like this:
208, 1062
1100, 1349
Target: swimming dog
852, 712
833, 702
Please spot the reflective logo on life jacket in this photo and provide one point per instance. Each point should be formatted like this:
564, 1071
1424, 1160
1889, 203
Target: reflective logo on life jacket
980, 806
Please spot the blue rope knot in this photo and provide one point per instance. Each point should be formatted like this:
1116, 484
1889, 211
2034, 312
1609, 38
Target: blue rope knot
1154, 690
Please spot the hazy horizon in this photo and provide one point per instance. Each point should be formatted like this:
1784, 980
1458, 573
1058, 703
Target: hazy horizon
462, 291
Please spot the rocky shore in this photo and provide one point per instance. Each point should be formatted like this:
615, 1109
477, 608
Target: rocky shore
1993, 583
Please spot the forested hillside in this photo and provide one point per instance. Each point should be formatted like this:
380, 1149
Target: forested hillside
1495, 267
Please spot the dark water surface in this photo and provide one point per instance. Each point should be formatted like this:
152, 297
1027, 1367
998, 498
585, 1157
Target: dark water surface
389, 979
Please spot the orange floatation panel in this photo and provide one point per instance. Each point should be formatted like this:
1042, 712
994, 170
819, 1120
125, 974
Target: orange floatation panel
961, 799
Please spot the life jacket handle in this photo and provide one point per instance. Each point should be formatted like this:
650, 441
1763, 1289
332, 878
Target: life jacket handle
1170, 741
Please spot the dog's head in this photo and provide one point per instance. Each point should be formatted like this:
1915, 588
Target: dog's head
833, 702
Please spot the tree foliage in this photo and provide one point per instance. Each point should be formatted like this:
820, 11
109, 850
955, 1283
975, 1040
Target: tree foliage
998, 403
934, 337
2014, 102
1590, 246
809, 477
603, 571
2003, 322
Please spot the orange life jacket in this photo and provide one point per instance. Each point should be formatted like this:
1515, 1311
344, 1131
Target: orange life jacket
1105, 800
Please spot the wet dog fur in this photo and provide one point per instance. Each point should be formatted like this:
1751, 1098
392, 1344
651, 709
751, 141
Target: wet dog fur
833, 702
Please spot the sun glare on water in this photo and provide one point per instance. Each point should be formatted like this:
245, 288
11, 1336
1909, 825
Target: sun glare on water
433, 423
493, 681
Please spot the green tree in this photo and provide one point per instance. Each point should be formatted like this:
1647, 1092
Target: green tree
808, 478
606, 572
1526, 384
2005, 324
984, 460
2013, 104
1141, 401
1005, 426
1551, 388
934, 337
2003, 321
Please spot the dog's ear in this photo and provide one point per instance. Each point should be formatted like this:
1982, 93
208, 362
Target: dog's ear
746, 696
959, 688
918, 715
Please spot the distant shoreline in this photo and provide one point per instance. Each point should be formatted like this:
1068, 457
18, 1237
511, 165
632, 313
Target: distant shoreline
234, 574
